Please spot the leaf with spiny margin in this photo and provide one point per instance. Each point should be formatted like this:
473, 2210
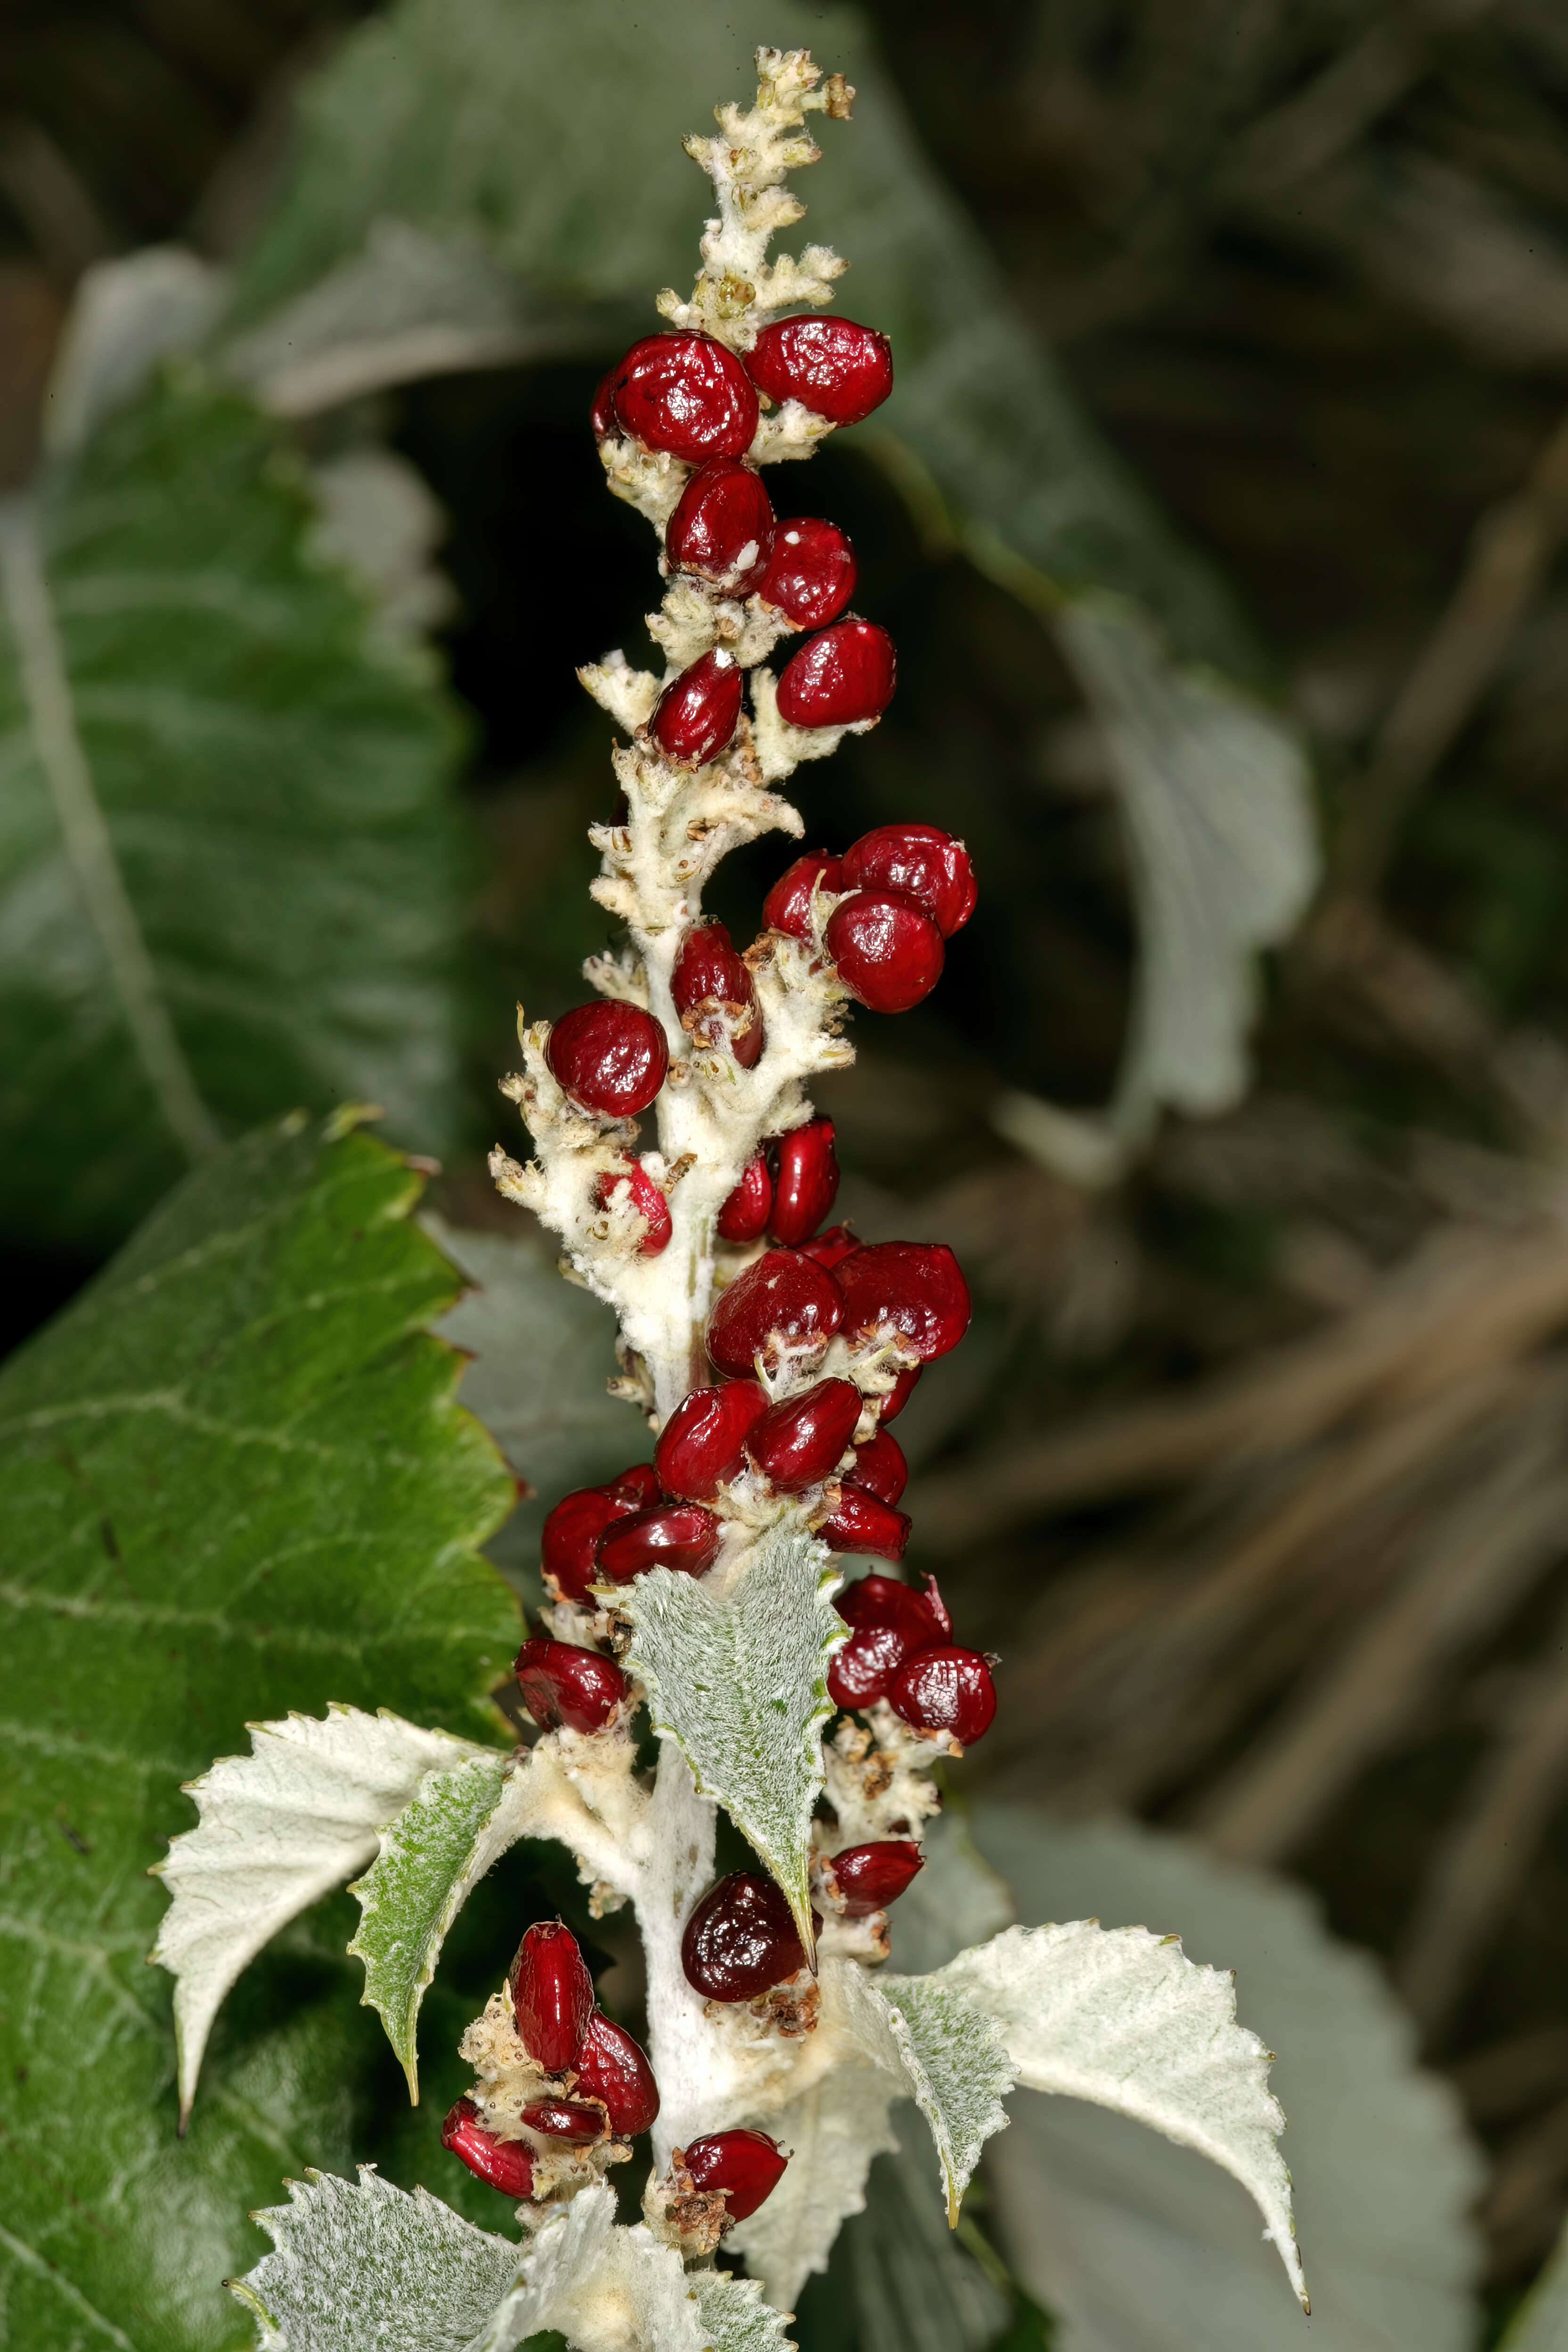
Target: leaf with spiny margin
458, 1822
740, 1680
234, 1480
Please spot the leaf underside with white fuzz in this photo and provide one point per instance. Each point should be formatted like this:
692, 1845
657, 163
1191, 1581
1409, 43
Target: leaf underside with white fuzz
954, 2064
433, 1855
742, 1683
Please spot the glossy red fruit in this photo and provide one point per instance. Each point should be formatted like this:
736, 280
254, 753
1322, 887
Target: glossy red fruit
840, 678
695, 715
811, 573
888, 951
871, 1877
787, 907
888, 1601
562, 1685
646, 1199
701, 1446
744, 1215
898, 1395
602, 415
831, 365
506, 2164
806, 1182
722, 528
563, 2119
569, 1533
685, 394
926, 864
613, 2067
682, 1536
798, 1444
830, 1248
740, 1939
608, 1056
552, 1994
888, 1623
634, 1487
949, 1689
864, 1523
880, 1468
917, 1287
747, 2165
783, 1300
714, 994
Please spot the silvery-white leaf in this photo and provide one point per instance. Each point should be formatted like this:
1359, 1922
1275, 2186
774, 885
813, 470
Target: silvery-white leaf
951, 2059
956, 1900
380, 521
832, 2133
279, 1829
127, 315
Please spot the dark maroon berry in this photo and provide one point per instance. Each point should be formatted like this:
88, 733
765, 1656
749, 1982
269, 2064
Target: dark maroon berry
634, 1487
564, 2119
714, 994
569, 1533
871, 1877
701, 1446
783, 1301
740, 1939
648, 1200
562, 1683
920, 1617
889, 1624
829, 1249
900, 1392
806, 1182
682, 1536
602, 415
608, 1056
864, 1523
787, 907
612, 2068
506, 2164
744, 1215
746, 2165
552, 1995
888, 951
810, 575
947, 1689
798, 1444
915, 1287
880, 1468
695, 715
841, 678
831, 365
685, 394
723, 528
926, 864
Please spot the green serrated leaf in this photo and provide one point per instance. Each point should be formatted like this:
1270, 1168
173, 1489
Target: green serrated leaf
431, 1858
741, 1681
229, 874
234, 1480
957, 2067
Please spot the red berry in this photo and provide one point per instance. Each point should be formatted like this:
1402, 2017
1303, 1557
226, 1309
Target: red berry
747, 2165
926, 864
889, 1624
947, 1689
608, 1056
806, 1182
880, 1468
562, 1683
612, 2068
714, 994
898, 1395
569, 1533
701, 1446
921, 1617
634, 1487
787, 907
681, 1535
646, 1199
917, 1287
564, 2119
840, 678
864, 1523
890, 954
798, 1444
723, 528
695, 715
685, 394
744, 1215
830, 1248
740, 1939
871, 1877
832, 366
506, 2164
602, 415
781, 1301
552, 1994
811, 573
